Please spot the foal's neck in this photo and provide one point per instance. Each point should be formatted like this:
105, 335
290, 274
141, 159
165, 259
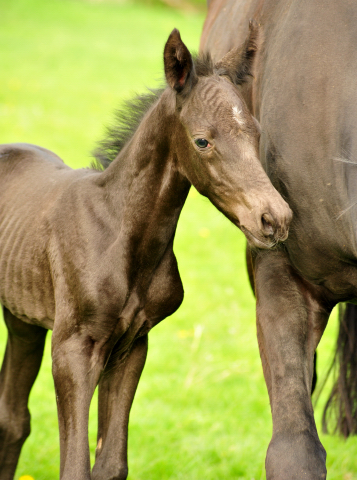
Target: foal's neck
145, 187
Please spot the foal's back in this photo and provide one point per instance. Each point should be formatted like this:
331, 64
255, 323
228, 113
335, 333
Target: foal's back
32, 182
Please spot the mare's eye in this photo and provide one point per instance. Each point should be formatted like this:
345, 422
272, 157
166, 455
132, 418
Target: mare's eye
201, 143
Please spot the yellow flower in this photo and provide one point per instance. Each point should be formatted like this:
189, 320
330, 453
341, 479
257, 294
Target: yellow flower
26, 477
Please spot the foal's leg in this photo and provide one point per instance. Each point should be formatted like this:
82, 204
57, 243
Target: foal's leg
291, 318
117, 388
77, 362
19, 370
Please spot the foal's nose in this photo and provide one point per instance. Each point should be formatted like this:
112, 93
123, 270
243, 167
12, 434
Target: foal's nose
268, 225
276, 227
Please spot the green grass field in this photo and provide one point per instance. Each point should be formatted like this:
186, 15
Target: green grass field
201, 410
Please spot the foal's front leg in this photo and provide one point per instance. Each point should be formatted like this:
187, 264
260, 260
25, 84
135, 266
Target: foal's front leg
291, 317
117, 388
77, 362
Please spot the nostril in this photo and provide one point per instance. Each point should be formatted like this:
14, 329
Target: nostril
268, 225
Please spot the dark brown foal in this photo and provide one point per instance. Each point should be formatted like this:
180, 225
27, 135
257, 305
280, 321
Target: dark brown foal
89, 253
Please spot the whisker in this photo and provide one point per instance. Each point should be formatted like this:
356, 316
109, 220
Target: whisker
346, 210
344, 160
348, 154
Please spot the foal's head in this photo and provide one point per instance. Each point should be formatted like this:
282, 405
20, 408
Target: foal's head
217, 139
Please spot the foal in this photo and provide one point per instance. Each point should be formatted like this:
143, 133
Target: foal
89, 253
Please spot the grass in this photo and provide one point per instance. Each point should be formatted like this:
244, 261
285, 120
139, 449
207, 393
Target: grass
201, 410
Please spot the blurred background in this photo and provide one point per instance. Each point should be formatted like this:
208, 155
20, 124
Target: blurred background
201, 410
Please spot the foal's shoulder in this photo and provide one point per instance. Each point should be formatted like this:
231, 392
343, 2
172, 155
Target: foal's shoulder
25, 152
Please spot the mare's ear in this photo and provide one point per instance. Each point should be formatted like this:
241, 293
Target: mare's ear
238, 62
179, 68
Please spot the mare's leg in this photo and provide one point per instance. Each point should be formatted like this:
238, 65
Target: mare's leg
19, 370
77, 362
250, 256
291, 317
117, 388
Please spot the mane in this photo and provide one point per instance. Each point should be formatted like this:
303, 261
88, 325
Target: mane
128, 118
126, 122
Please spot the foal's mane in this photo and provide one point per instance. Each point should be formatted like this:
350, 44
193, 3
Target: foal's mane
126, 122
128, 118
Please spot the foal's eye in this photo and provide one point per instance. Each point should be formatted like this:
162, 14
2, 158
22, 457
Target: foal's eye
202, 143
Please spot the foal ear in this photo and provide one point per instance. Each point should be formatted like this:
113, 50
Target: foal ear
179, 68
238, 62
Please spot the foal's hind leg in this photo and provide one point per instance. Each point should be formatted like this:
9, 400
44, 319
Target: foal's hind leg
116, 393
19, 370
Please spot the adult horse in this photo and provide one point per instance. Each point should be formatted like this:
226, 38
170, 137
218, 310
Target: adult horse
304, 95
89, 253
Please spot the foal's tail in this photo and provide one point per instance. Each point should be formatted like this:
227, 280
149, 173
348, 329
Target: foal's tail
342, 403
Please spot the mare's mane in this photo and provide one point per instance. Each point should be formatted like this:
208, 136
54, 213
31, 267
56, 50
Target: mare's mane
128, 118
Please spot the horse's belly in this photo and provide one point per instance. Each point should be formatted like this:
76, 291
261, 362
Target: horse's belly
25, 279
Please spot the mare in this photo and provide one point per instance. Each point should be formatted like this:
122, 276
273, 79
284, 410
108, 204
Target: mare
304, 95
89, 253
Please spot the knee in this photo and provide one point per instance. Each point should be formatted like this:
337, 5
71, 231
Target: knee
14, 426
295, 457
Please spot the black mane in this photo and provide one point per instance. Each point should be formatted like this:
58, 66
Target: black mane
128, 118
126, 123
